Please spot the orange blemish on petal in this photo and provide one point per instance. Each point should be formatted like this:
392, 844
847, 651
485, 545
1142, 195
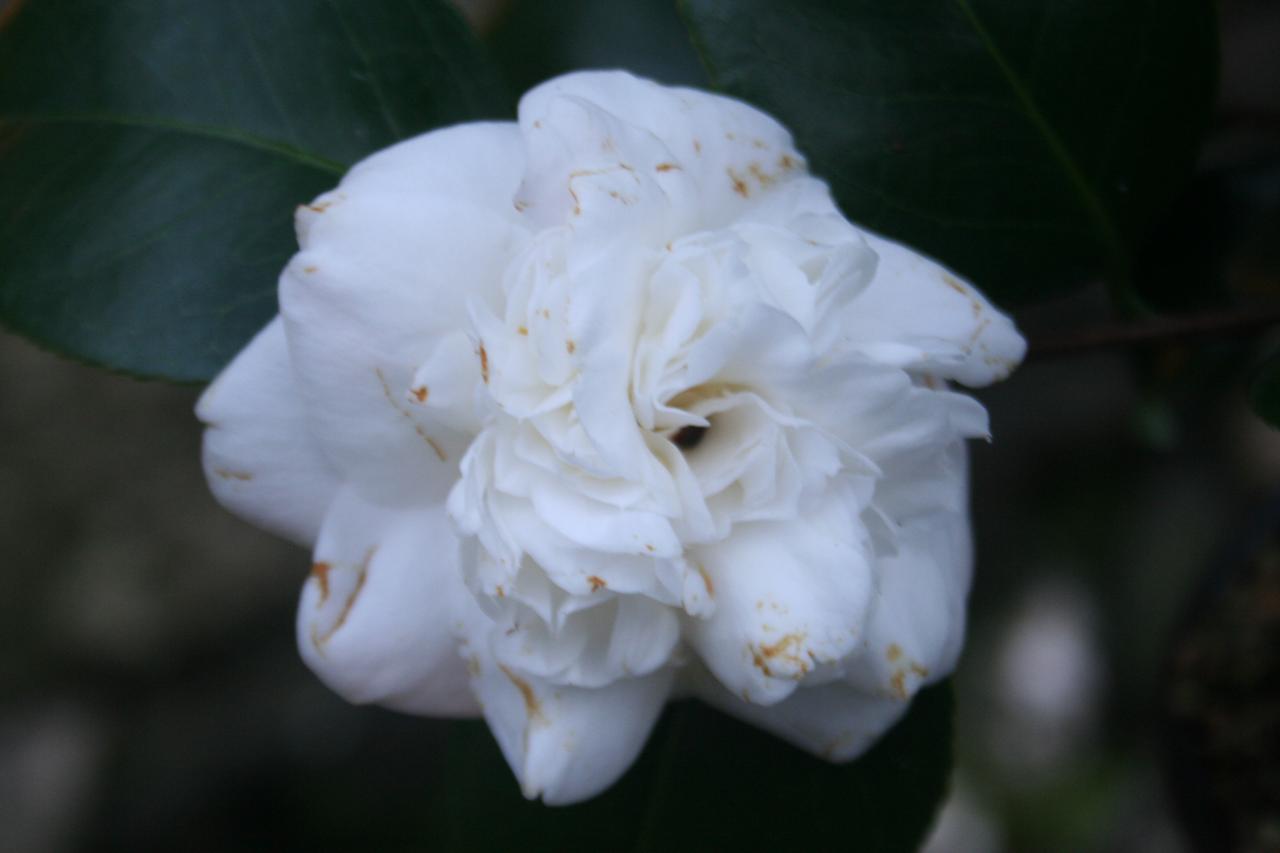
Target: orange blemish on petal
786, 161
320, 571
666, 167
570, 346
893, 653
597, 583
227, 474
532, 707
420, 393
697, 146
522, 330
310, 270
918, 670
706, 579
951, 282
898, 685
362, 576
484, 364
739, 185
417, 427
760, 174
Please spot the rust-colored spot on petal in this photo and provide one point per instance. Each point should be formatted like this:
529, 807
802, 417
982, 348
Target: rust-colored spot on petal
761, 175
362, 576
666, 167
597, 583
310, 270
522, 330
499, 591
484, 364
898, 684
782, 650
953, 283
320, 571
697, 146
405, 413
706, 579
649, 548
570, 346
918, 670
420, 393
228, 474
531, 705
739, 185
786, 161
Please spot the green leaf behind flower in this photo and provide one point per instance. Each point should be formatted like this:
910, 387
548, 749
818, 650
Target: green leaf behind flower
1026, 143
706, 783
152, 153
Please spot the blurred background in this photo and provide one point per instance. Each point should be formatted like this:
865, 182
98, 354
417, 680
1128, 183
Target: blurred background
1121, 685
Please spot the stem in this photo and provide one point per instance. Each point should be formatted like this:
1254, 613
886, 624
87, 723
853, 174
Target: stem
1155, 331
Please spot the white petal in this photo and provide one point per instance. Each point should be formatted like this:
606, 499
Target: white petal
378, 616
566, 744
389, 262
916, 314
714, 157
791, 597
832, 721
259, 456
916, 628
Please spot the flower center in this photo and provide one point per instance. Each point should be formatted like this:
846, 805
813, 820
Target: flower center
689, 437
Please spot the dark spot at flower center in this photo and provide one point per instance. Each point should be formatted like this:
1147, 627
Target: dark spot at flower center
687, 438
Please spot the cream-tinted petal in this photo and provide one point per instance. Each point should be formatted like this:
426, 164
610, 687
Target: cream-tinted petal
566, 744
791, 598
259, 456
917, 314
379, 615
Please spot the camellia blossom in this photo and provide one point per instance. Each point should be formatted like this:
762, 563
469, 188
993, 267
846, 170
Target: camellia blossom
605, 406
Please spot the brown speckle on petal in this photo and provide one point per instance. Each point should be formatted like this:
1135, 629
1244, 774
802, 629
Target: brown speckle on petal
533, 708
739, 185
597, 583
320, 571
417, 427
227, 474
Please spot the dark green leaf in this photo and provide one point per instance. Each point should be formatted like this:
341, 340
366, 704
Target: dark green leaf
1026, 143
708, 783
152, 153
1265, 392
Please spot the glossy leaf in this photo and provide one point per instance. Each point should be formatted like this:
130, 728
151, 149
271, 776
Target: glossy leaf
152, 153
1026, 143
706, 782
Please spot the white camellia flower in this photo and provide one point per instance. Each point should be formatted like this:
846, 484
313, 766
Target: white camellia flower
608, 405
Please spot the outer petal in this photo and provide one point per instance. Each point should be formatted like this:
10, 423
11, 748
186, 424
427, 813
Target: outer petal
389, 262
916, 314
259, 456
917, 622
711, 155
832, 721
791, 597
378, 615
565, 744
